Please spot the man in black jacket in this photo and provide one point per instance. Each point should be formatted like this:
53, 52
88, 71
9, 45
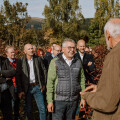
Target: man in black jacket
30, 77
86, 59
11, 60
6, 86
49, 56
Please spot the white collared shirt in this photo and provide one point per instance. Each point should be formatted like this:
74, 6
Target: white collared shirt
11, 60
81, 56
32, 74
69, 62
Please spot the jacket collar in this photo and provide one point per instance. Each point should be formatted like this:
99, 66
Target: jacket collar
61, 58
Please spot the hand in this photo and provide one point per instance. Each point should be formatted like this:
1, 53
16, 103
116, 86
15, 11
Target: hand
82, 93
89, 63
43, 88
82, 103
50, 107
92, 88
22, 95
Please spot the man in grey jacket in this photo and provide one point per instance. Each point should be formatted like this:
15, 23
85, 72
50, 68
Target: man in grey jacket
65, 81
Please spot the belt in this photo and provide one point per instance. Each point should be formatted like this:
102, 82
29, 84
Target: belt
34, 84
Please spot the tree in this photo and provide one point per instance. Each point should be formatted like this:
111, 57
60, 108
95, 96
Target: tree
105, 9
15, 18
64, 18
3, 28
84, 35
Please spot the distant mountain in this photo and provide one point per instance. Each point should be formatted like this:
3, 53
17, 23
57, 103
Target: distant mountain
35, 22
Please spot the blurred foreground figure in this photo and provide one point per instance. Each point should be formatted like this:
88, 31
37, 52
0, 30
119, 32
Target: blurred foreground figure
105, 98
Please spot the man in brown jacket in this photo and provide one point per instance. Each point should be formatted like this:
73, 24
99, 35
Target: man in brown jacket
105, 98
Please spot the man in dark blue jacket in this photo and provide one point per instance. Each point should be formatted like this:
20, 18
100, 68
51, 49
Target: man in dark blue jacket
49, 56
86, 59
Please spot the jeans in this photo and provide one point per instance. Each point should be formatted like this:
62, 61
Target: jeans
64, 110
34, 91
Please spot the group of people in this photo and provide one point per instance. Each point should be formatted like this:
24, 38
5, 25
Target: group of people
67, 75
60, 77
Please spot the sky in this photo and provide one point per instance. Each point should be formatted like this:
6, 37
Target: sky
36, 7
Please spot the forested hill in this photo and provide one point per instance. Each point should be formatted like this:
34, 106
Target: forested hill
36, 23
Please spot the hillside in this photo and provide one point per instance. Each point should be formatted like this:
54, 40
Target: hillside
36, 23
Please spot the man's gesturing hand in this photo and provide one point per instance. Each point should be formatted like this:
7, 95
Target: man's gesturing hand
92, 88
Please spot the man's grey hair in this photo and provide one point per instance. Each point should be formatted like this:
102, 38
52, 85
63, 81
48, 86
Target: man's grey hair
67, 40
8, 47
113, 28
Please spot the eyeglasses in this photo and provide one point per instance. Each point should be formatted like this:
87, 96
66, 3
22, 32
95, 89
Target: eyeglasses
70, 48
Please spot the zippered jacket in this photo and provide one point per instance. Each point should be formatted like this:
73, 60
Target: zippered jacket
64, 82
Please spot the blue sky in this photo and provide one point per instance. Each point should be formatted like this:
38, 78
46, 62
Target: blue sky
36, 7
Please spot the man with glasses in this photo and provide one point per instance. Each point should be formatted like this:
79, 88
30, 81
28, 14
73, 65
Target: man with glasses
55, 50
64, 83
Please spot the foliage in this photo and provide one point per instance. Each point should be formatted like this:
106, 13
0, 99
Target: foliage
13, 21
64, 18
15, 18
84, 35
105, 9
99, 59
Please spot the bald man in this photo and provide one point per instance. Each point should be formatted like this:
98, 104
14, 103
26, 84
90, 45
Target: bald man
30, 77
86, 59
105, 98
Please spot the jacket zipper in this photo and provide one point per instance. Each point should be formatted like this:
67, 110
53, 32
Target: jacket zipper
71, 84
